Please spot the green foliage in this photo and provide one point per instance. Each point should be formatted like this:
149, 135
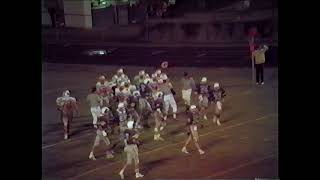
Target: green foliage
99, 4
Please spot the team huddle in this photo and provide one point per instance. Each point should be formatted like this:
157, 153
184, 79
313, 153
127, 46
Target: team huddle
125, 108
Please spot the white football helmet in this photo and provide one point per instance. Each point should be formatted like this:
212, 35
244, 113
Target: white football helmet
204, 79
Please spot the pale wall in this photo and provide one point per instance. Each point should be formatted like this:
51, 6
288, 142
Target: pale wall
78, 13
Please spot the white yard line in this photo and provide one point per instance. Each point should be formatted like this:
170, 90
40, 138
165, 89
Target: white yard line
66, 141
112, 49
242, 165
200, 55
157, 52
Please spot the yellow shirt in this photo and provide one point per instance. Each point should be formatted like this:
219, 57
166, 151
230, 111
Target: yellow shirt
259, 55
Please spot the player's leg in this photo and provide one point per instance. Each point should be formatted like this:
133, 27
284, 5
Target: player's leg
162, 124
261, 74
203, 112
195, 137
136, 161
65, 126
202, 107
95, 144
257, 73
122, 170
205, 104
107, 142
185, 99
184, 149
214, 119
189, 91
166, 107
218, 119
128, 152
198, 147
156, 130
144, 118
94, 116
70, 117
173, 104
137, 123
218, 112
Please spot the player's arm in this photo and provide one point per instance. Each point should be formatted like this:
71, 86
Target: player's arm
197, 89
126, 138
193, 84
197, 122
223, 92
188, 120
135, 138
59, 103
265, 48
88, 99
75, 106
100, 100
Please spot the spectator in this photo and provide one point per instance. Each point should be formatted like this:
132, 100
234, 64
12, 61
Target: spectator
259, 60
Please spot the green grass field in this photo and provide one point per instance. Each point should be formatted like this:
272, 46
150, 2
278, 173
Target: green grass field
245, 146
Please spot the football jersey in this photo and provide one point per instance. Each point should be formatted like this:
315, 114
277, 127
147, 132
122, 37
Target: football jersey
129, 133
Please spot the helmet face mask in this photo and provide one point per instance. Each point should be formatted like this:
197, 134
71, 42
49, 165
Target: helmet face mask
136, 93
146, 81
142, 73
105, 110
159, 94
120, 105
66, 93
193, 108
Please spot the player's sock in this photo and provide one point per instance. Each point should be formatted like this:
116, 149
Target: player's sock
121, 174
109, 155
65, 136
155, 137
187, 109
218, 122
139, 175
201, 151
205, 117
91, 156
174, 116
160, 138
184, 149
